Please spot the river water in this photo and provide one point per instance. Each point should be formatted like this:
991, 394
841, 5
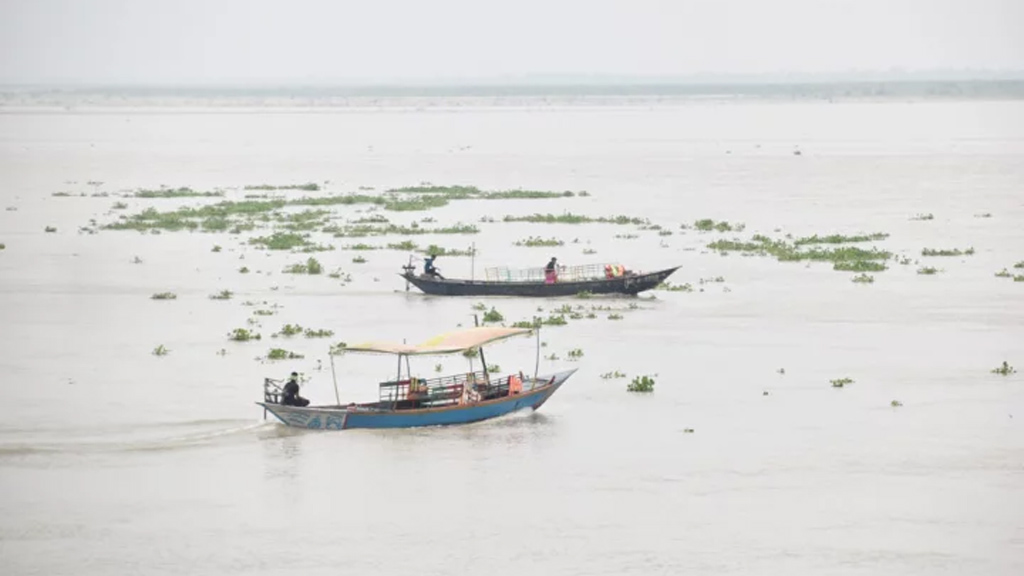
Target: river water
744, 460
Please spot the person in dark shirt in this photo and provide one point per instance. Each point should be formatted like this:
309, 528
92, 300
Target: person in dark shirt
290, 396
429, 269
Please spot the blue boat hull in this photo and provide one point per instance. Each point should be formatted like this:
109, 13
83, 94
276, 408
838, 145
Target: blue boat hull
343, 418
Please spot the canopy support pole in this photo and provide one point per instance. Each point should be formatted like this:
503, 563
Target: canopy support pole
334, 378
536, 363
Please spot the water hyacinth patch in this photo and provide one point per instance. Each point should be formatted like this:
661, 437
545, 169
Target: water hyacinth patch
310, 266
160, 350
282, 354
841, 382
243, 335
613, 374
863, 279
641, 384
927, 271
1004, 370
493, 316
536, 241
164, 296
222, 295
950, 252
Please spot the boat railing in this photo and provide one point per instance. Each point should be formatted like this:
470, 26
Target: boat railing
565, 273
444, 389
272, 391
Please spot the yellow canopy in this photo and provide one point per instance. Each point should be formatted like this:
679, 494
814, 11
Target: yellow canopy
447, 343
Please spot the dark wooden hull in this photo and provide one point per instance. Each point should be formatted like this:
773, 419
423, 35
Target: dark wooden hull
633, 284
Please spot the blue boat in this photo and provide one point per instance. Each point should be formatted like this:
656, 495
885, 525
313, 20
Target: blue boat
408, 401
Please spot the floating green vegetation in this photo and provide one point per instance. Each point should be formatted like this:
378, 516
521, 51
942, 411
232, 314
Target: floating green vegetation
282, 354
175, 193
281, 241
479, 306
160, 350
584, 294
895, 403
119, 206
1004, 273
570, 218
438, 367
343, 276
289, 330
708, 225
1019, 264
213, 218
363, 230
575, 354
338, 348
786, 252
840, 239
2, 246
61, 194
1018, 278
589, 251
164, 296
493, 315
950, 252
928, 216
641, 384
551, 320
360, 247
216, 248
305, 220
323, 333
716, 279
494, 368
442, 251
536, 241
859, 266
863, 279
552, 356
50, 229
928, 270
359, 260
405, 245
471, 352
243, 335
1004, 370
264, 312
470, 192
670, 287
626, 236
614, 316
243, 270
310, 266
309, 187
613, 374
665, 232
840, 382
222, 295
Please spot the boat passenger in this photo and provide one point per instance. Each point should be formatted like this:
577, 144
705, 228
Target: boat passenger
429, 269
291, 392
551, 271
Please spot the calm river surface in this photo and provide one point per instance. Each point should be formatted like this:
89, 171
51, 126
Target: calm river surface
744, 460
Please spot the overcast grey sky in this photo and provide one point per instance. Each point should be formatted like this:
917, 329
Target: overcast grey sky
323, 41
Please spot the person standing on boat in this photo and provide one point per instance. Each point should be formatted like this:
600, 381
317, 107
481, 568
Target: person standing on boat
290, 396
429, 269
551, 271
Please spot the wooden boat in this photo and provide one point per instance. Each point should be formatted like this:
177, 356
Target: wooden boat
593, 279
409, 401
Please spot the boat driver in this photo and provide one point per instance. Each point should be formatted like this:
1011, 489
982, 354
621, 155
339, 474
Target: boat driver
290, 396
429, 269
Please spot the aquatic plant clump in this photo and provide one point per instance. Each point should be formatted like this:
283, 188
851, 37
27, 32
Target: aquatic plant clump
950, 252
641, 384
1004, 370
282, 354
536, 241
310, 266
322, 333
839, 239
841, 382
612, 374
493, 316
863, 279
222, 295
927, 271
160, 350
570, 218
708, 225
164, 296
859, 266
786, 252
309, 187
183, 192
243, 335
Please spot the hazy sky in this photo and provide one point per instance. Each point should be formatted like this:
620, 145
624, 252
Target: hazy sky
314, 41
